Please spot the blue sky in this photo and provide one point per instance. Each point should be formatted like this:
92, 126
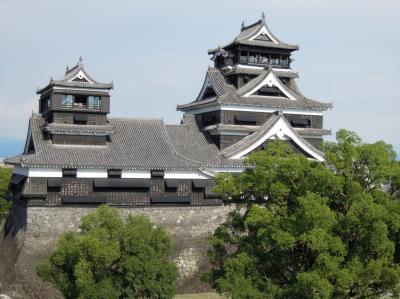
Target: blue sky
155, 52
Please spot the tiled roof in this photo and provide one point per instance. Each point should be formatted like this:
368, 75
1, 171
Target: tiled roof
190, 142
231, 128
263, 102
36, 188
68, 129
235, 97
135, 144
244, 38
312, 132
69, 82
218, 82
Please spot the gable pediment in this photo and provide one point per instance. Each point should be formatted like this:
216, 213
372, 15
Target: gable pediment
270, 86
264, 35
275, 128
81, 77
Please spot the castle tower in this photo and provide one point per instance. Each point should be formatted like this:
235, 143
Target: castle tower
76, 155
75, 108
251, 81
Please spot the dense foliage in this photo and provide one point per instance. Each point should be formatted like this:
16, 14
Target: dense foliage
5, 176
304, 229
111, 258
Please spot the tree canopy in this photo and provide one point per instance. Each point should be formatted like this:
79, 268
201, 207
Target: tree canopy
304, 229
5, 176
111, 258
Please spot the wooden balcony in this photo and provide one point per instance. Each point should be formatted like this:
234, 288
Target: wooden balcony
264, 61
80, 106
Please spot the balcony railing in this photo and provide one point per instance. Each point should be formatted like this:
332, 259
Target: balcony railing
80, 106
263, 61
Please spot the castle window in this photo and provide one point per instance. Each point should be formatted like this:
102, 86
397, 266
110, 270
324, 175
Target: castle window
208, 119
94, 102
301, 123
80, 102
121, 185
67, 100
53, 184
199, 185
171, 185
80, 119
157, 173
248, 120
69, 172
114, 173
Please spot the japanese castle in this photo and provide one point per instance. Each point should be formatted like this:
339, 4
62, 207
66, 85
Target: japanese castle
75, 154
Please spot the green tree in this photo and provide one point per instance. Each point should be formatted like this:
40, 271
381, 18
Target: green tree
5, 176
111, 258
304, 229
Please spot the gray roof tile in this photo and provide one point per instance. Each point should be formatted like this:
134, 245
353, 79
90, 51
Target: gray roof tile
312, 132
69, 129
234, 97
247, 32
135, 144
69, 83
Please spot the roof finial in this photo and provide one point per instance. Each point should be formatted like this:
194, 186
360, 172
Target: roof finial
67, 69
242, 25
80, 61
263, 15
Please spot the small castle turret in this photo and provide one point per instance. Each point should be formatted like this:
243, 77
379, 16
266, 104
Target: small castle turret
75, 108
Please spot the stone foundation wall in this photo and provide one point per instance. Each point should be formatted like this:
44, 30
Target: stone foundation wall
45, 224
38, 229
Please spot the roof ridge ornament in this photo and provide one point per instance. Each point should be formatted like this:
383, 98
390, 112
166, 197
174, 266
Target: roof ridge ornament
242, 25
80, 63
263, 17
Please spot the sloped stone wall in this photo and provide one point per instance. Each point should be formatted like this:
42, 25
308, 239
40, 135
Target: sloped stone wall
38, 229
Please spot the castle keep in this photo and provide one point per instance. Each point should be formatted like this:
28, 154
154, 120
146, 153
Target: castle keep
76, 155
